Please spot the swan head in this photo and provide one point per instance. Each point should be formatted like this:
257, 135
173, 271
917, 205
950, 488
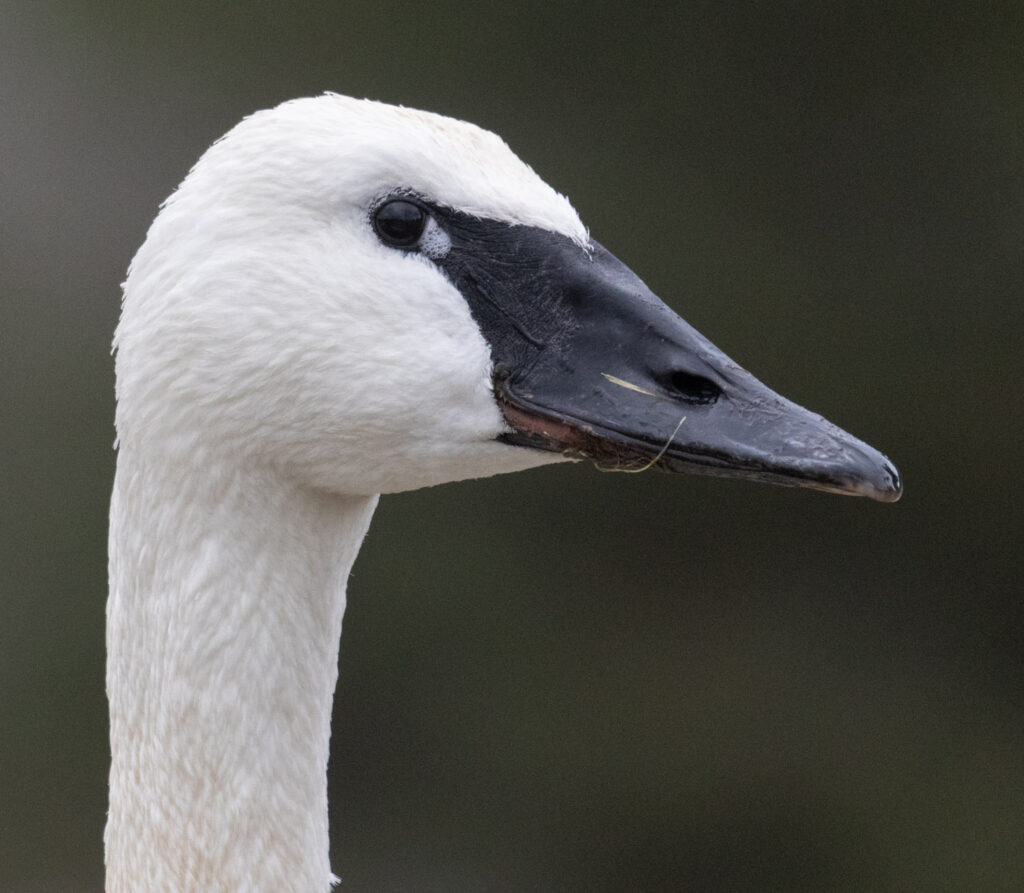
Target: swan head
371, 299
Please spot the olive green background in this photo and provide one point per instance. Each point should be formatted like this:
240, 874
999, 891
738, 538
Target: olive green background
566, 680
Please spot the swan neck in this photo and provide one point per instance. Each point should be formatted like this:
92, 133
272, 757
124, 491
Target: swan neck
223, 622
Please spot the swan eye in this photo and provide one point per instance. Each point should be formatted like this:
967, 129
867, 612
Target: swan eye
400, 223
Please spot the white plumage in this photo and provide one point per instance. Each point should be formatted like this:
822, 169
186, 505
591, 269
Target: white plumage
276, 368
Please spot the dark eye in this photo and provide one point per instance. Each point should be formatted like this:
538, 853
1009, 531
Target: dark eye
400, 223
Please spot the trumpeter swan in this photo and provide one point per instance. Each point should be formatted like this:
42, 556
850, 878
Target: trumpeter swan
343, 299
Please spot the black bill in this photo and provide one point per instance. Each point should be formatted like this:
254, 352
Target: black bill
590, 363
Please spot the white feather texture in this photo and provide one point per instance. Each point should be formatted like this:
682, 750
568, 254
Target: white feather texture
277, 367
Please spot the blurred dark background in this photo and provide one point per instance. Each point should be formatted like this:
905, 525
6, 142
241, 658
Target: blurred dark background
566, 680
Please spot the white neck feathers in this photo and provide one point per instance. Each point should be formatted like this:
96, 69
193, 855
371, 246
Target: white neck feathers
224, 619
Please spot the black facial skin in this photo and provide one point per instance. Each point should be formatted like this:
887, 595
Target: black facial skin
590, 363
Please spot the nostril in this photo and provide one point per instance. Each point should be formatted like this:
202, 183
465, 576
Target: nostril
693, 388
